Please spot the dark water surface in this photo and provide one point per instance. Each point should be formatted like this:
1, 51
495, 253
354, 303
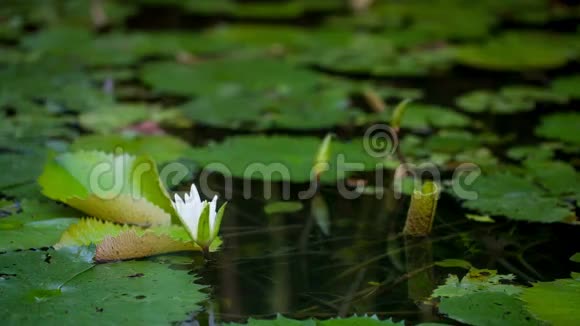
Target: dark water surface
284, 263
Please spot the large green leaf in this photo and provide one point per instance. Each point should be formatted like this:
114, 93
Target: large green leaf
115, 117
353, 52
477, 280
555, 302
567, 86
306, 109
19, 173
115, 187
520, 51
64, 287
510, 99
229, 77
560, 126
162, 148
57, 82
287, 9
120, 242
487, 308
514, 197
38, 225
424, 116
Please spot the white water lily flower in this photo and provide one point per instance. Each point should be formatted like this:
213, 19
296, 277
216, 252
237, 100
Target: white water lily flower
199, 218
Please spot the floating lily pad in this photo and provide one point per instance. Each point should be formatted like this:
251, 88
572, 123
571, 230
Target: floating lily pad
449, 148
309, 110
71, 12
282, 207
32, 127
567, 86
286, 9
38, 225
555, 302
440, 20
510, 99
520, 51
280, 158
487, 308
115, 117
559, 178
354, 320
477, 280
63, 86
425, 116
120, 188
52, 282
82, 46
121, 242
483, 297
162, 148
229, 77
270, 38
560, 126
542, 152
19, 173
513, 196
351, 52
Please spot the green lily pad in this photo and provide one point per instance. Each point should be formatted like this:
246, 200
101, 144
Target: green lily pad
61, 84
309, 110
119, 188
52, 282
282, 207
567, 86
476, 280
555, 302
115, 117
354, 320
510, 99
162, 148
229, 77
419, 116
482, 297
82, 46
514, 197
33, 127
542, 152
71, 12
286, 9
19, 169
487, 308
439, 20
448, 148
351, 52
278, 158
38, 225
520, 51
560, 126
121, 242
559, 178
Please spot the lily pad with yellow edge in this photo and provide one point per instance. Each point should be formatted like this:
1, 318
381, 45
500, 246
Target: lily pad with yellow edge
119, 187
121, 242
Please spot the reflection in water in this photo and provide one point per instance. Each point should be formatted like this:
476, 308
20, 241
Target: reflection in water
285, 263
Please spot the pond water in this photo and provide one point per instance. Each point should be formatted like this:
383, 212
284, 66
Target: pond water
284, 263
501, 93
